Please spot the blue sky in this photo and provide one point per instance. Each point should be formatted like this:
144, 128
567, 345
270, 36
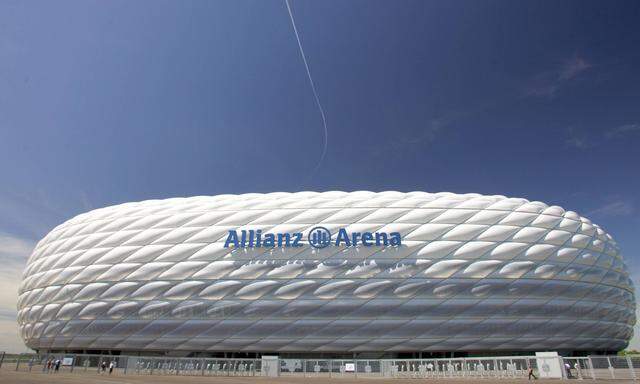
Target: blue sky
106, 102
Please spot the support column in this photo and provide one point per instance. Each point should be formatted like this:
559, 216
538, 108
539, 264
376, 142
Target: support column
18, 361
631, 369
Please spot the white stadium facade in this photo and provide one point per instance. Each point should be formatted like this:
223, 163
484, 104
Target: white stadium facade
327, 273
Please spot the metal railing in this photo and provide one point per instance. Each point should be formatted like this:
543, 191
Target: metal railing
592, 367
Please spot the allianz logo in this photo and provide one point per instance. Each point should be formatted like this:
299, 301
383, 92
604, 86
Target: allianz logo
318, 237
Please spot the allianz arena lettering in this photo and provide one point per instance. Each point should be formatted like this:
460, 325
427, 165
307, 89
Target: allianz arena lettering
255, 238
470, 273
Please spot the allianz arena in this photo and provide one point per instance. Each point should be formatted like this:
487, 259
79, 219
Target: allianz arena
468, 274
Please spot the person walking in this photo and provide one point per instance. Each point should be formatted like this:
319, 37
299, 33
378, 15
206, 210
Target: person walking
103, 367
531, 374
57, 366
567, 368
111, 366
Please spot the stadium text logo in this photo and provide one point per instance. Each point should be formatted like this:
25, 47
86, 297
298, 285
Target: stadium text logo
318, 237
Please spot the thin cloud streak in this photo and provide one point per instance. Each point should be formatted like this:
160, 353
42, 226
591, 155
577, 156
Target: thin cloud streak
549, 83
573, 68
614, 208
577, 139
581, 139
622, 131
313, 89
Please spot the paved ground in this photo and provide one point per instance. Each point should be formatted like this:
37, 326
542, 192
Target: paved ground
12, 377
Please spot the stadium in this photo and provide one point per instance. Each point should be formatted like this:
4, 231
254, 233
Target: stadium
467, 274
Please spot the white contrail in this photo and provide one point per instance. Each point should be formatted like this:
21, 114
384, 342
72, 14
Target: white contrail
313, 87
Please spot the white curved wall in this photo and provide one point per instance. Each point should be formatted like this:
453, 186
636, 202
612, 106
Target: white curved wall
473, 273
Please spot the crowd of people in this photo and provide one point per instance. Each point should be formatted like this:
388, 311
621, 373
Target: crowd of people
53, 366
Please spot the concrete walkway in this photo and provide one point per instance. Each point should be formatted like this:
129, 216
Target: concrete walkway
12, 377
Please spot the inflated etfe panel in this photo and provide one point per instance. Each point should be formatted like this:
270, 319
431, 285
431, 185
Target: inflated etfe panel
385, 271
